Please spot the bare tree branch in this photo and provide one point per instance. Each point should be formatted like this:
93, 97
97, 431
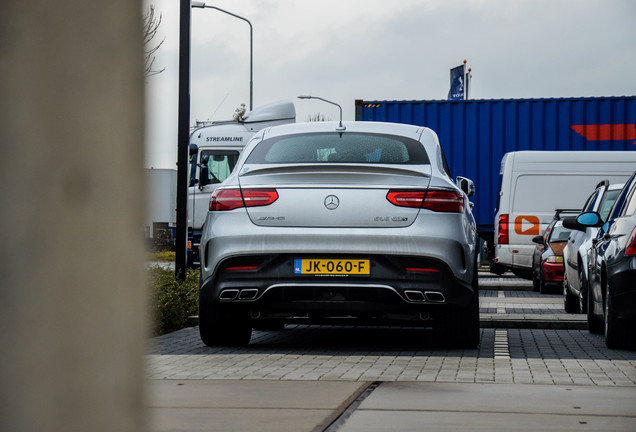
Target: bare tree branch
151, 25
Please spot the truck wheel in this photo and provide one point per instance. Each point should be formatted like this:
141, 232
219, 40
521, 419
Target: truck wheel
219, 328
619, 334
570, 302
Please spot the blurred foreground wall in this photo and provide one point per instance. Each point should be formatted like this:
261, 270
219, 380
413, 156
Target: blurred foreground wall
72, 293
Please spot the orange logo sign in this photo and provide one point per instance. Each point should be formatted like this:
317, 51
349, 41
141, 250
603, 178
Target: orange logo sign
527, 225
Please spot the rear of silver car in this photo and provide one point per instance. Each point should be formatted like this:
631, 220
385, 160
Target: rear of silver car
320, 223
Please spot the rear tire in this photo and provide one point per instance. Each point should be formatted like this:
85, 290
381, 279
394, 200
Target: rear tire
217, 327
594, 325
536, 282
570, 302
619, 334
583, 292
458, 327
543, 289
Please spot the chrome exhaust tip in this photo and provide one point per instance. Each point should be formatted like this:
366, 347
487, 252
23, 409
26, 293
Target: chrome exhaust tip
435, 297
414, 296
248, 294
229, 294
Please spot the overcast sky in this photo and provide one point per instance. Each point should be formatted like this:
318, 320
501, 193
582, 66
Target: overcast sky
343, 50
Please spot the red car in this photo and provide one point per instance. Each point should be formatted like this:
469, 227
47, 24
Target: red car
547, 260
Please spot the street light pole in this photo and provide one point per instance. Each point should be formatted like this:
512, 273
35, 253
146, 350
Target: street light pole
183, 138
340, 125
198, 4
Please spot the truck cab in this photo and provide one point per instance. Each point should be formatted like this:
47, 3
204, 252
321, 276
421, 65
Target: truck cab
214, 150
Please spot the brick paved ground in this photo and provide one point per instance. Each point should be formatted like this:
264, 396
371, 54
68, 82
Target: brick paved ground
339, 353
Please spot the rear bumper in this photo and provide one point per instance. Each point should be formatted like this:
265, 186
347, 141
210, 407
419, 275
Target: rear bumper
553, 272
273, 288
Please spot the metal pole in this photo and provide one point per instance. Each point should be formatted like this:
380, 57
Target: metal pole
202, 5
183, 135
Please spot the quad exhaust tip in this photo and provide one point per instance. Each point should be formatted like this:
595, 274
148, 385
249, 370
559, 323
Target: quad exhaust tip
424, 296
238, 294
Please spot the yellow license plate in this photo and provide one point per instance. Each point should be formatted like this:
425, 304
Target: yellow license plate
332, 267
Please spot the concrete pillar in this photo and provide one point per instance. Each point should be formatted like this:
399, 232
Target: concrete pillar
72, 290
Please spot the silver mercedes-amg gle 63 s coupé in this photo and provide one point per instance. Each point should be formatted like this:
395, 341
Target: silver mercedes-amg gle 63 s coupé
323, 220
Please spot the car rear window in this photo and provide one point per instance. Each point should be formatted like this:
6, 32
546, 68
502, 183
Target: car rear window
346, 147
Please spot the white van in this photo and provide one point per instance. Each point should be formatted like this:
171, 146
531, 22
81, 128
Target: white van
533, 184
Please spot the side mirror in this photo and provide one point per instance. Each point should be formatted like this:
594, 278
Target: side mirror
538, 239
590, 219
571, 223
466, 185
204, 172
193, 149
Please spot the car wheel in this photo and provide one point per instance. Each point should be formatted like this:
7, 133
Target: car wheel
570, 302
543, 289
458, 327
218, 328
618, 333
583, 292
594, 325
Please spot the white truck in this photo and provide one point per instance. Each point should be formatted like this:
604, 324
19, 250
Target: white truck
533, 184
214, 150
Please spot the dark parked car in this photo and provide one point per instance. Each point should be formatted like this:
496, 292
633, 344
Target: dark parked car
612, 271
576, 251
547, 259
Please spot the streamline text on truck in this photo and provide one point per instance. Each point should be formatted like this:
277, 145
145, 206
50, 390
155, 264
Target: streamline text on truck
214, 150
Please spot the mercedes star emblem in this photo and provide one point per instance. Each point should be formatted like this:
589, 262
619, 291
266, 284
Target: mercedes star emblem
332, 202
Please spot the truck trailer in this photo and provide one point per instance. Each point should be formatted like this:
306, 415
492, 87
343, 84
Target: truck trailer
476, 134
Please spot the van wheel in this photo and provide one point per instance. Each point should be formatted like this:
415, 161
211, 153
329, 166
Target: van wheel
217, 327
570, 302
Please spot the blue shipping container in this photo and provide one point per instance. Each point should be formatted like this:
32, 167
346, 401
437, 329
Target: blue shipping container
475, 134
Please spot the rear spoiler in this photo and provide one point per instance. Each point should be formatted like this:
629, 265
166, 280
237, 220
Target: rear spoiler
557, 214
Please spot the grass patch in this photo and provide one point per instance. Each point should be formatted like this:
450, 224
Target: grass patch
162, 256
173, 300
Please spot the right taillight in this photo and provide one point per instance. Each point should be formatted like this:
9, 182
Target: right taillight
444, 201
630, 249
504, 225
434, 199
232, 198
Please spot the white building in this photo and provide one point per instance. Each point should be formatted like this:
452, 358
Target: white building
161, 204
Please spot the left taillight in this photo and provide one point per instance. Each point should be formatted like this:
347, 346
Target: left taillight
232, 198
630, 249
406, 198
